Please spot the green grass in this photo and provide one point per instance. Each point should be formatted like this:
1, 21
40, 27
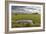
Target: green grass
34, 17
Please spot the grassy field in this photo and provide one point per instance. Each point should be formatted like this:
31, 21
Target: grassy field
34, 17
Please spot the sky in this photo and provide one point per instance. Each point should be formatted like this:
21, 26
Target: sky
26, 9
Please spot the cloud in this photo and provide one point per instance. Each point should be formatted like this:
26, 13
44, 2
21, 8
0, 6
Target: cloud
26, 9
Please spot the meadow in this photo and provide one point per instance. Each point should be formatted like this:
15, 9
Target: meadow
34, 17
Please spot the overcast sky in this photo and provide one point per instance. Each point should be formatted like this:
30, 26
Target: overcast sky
26, 9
